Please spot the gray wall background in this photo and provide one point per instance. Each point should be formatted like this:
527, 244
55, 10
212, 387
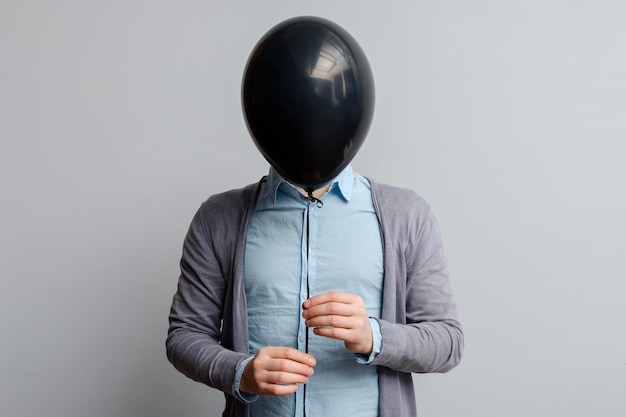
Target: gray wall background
118, 118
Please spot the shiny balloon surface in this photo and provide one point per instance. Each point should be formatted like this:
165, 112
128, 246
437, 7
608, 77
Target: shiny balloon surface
308, 99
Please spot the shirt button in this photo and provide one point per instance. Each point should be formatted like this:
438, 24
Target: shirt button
302, 338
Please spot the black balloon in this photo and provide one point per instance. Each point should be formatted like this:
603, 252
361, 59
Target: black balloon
308, 99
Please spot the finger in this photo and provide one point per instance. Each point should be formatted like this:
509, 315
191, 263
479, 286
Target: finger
332, 321
274, 389
281, 379
334, 333
334, 309
331, 296
284, 368
295, 355
353, 340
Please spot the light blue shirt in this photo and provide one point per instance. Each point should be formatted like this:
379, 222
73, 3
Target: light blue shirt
345, 254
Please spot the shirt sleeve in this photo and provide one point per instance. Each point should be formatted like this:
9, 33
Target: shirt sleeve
377, 343
243, 396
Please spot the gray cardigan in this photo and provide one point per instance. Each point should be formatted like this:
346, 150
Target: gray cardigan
208, 333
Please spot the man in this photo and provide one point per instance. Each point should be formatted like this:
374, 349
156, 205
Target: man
413, 306
317, 300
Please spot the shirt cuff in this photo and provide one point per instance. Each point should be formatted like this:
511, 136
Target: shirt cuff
243, 396
377, 342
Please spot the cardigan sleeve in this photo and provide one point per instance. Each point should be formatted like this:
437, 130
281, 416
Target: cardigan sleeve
195, 344
420, 327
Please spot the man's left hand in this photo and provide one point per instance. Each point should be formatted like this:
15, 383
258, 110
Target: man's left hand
341, 316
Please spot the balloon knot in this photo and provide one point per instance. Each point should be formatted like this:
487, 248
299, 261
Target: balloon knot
314, 200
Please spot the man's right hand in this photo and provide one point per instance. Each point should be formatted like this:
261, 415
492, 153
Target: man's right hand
276, 370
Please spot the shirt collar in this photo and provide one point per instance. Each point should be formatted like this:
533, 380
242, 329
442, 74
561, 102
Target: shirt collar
344, 182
